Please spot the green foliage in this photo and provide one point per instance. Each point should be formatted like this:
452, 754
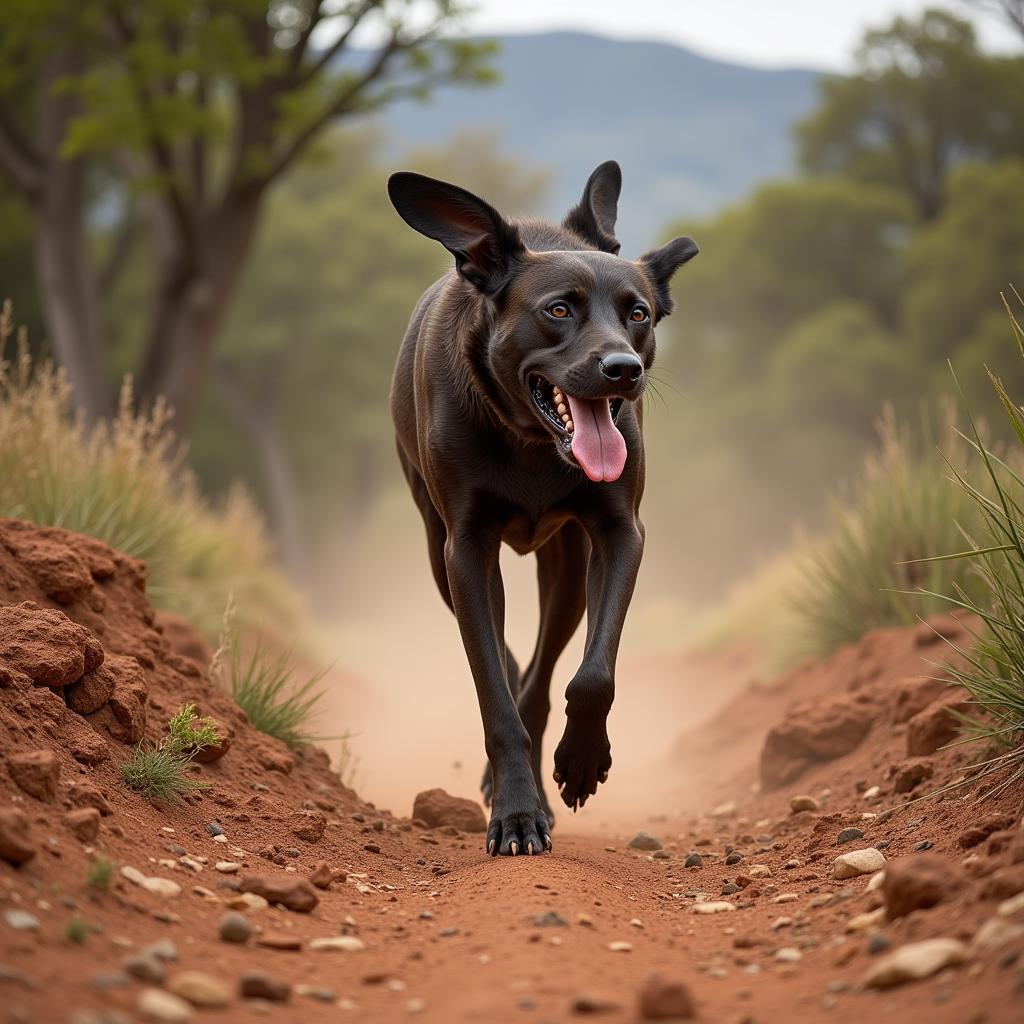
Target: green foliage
866, 571
924, 97
126, 483
158, 771
76, 931
100, 873
994, 671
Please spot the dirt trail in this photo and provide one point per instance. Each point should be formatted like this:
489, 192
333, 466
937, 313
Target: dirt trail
431, 928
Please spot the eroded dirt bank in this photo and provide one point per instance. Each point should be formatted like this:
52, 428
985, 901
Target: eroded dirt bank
395, 920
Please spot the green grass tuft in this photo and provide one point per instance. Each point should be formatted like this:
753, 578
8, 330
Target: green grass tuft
76, 931
159, 771
100, 873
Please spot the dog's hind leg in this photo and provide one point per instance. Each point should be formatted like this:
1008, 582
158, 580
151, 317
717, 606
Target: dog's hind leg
561, 581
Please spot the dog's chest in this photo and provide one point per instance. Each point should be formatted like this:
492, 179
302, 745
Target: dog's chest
525, 533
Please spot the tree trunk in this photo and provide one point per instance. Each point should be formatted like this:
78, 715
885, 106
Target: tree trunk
188, 308
281, 488
67, 283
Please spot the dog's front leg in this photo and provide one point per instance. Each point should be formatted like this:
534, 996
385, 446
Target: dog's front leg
518, 823
583, 756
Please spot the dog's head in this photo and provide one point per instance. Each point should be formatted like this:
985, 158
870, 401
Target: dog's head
571, 324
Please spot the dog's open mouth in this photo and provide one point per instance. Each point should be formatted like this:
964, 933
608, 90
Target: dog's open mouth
585, 427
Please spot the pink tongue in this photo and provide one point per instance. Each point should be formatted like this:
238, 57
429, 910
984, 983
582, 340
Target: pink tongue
596, 442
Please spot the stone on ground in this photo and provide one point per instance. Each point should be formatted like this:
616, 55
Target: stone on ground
918, 882
645, 841
664, 999
915, 961
436, 808
291, 891
857, 862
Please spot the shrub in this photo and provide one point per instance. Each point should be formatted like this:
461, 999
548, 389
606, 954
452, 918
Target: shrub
76, 931
100, 873
994, 671
158, 771
873, 568
126, 482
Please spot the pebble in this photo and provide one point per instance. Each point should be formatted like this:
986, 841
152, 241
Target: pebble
803, 802
145, 967
157, 885
786, 897
788, 955
914, 961
549, 919
878, 943
661, 855
730, 888
162, 949
200, 989
592, 1003
341, 943
257, 985
848, 835
857, 862
324, 995
322, 876
920, 847
21, 921
694, 860
247, 901
279, 940
870, 919
645, 841
214, 829
715, 907
163, 1007
227, 867
759, 871
665, 999
733, 858
234, 927
620, 947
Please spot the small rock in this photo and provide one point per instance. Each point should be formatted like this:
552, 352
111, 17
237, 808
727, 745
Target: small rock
338, 943
848, 835
981, 830
759, 871
550, 919
713, 907
915, 961
730, 888
662, 999
910, 775
234, 927
21, 920
936, 726
857, 862
924, 844
916, 883
733, 859
84, 822
157, 885
869, 919
257, 985
279, 940
322, 876
803, 802
214, 829
36, 772
291, 891
661, 855
878, 943
644, 841
592, 1003
16, 846
162, 949
308, 825
435, 807
620, 947
200, 989
788, 955
995, 933
145, 967
694, 860
227, 867
162, 1007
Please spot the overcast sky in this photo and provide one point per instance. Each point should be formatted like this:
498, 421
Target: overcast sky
768, 33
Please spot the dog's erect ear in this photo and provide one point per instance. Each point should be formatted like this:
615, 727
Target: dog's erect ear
661, 264
593, 217
483, 243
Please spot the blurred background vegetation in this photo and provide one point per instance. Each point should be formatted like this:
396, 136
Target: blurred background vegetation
193, 192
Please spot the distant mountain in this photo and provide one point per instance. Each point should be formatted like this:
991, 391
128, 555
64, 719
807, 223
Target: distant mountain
691, 133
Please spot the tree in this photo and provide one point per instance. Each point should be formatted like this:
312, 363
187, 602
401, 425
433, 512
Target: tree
924, 99
1011, 11
179, 117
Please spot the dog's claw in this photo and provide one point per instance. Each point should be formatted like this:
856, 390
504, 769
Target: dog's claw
557, 777
492, 847
514, 847
547, 843
529, 848
603, 777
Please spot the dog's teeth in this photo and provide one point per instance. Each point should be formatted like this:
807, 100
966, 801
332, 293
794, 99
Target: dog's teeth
561, 409
565, 417
569, 426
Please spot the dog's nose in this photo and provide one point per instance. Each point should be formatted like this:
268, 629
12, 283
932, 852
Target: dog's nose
621, 368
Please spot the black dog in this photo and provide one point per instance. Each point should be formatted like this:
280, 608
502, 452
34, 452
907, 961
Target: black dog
516, 403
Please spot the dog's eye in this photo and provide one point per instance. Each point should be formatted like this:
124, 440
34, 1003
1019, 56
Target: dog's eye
639, 314
559, 310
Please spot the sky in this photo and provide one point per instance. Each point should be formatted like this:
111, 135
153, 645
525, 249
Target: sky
767, 33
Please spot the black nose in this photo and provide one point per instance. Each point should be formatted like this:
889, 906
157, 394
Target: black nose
621, 368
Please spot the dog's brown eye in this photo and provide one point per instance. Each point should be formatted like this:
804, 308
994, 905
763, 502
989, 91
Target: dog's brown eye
639, 314
559, 310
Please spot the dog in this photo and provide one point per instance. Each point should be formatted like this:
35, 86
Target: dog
517, 406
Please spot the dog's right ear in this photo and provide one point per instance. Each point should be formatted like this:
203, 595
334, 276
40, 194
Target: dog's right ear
483, 243
593, 217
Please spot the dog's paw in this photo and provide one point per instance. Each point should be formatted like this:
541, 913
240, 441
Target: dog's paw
518, 826
583, 759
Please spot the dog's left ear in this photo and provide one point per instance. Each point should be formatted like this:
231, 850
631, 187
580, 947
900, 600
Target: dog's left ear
661, 264
593, 217
484, 244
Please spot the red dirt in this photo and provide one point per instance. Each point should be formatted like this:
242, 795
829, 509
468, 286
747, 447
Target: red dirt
447, 933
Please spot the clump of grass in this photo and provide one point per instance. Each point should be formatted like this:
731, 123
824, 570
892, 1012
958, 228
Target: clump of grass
126, 482
872, 569
263, 685
159, 771
76, 931
100, 873
993, 674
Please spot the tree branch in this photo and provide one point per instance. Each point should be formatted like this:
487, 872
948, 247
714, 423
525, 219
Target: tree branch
298, 51
339, 44
18, 159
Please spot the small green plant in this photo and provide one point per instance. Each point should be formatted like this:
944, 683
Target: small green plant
77, 931
100, 873
263, 686
159, 771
